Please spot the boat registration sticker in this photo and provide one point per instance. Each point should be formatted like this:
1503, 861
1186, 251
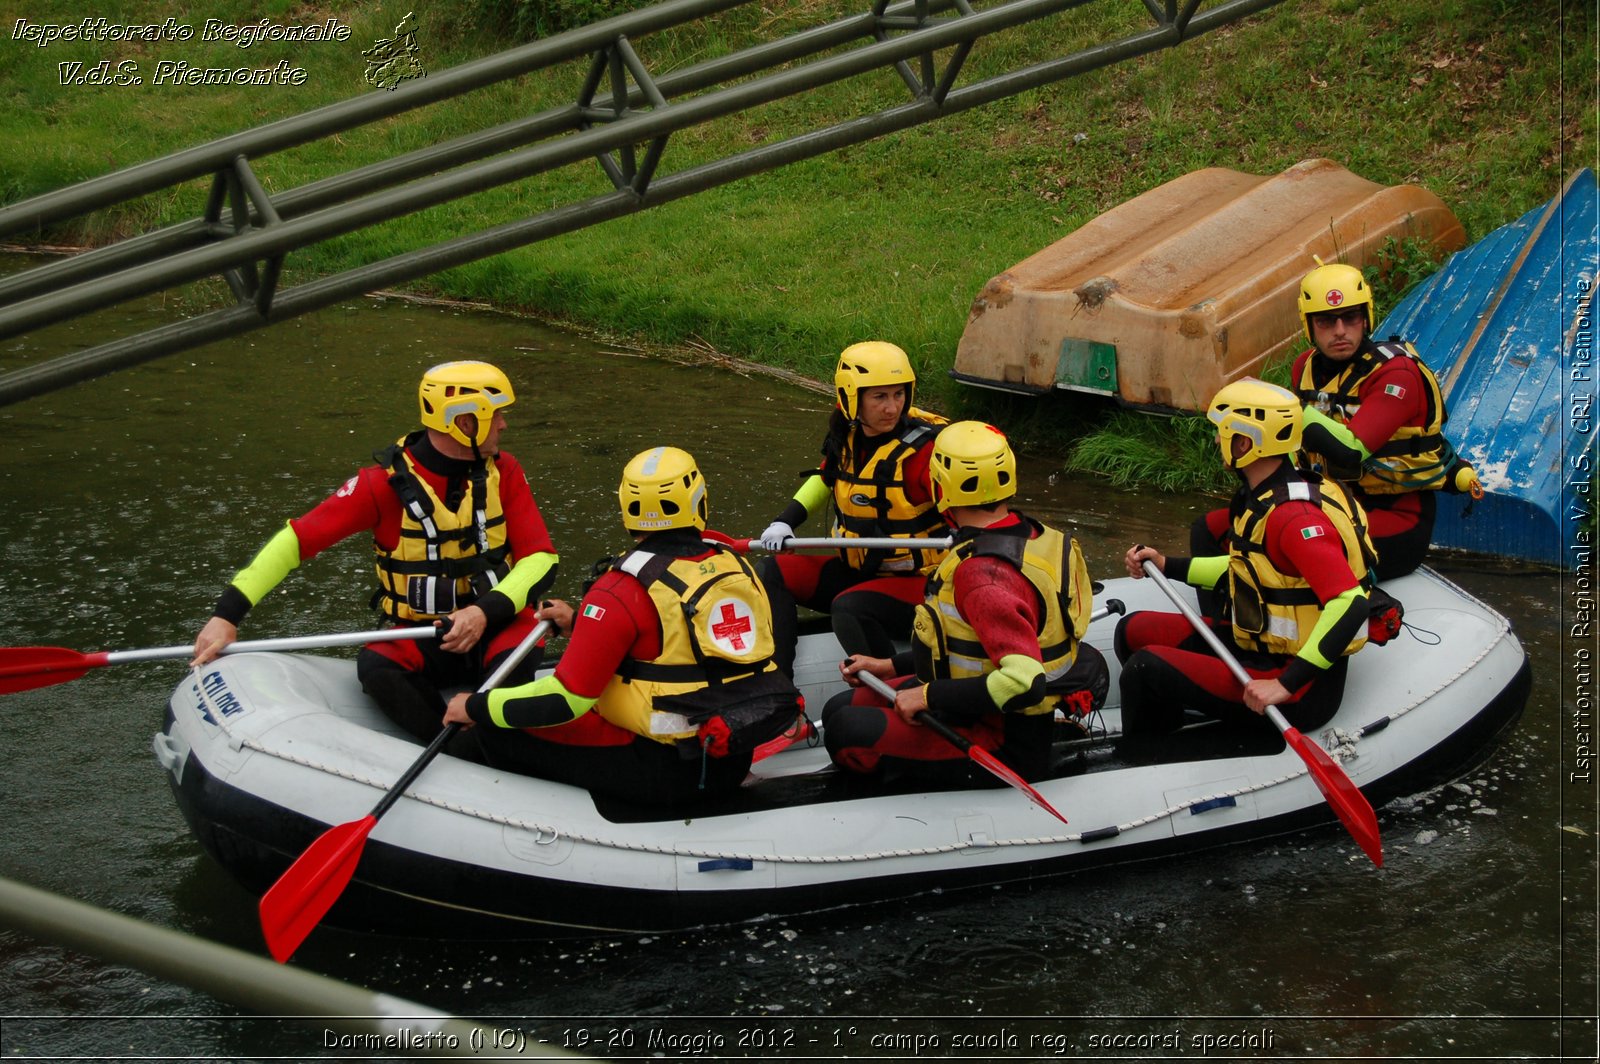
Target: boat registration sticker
731, 627
214, 694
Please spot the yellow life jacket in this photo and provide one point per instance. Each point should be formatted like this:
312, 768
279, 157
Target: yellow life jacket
1272, 611
444, 558
869, 499
1417, 457
716, 634
1052, 563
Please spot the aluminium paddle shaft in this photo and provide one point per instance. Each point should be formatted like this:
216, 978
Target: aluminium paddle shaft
25, 668
833, 543
495, 679
295, 642
861, 543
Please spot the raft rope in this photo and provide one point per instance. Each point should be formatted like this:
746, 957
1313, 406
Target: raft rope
1342, 748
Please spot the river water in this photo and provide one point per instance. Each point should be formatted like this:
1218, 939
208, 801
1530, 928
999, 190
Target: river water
130, 500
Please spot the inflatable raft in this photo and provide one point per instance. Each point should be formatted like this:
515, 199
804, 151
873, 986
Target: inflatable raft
264, 752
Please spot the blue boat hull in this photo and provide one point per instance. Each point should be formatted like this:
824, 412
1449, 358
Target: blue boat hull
1507, 325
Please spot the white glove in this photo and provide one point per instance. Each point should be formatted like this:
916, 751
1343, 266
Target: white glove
775, 535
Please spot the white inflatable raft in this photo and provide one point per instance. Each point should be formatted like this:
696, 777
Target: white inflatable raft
266, 751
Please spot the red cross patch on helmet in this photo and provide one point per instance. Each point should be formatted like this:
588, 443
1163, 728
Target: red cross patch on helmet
1335, 297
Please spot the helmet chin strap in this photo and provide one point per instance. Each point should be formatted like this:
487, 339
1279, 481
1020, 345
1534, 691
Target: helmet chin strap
472, 439
1231, 459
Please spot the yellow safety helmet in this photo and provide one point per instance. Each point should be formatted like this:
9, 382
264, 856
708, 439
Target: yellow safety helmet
1265, 414
451, 389
871, 364
972, 465
1334, 287
662, 488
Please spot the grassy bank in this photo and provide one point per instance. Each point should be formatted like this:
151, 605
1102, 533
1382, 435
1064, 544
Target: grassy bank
1486, 103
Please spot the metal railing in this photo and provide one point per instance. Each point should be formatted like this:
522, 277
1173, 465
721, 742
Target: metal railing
243, 234
256, 983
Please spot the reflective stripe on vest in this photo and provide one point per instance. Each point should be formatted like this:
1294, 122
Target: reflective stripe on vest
444, 558
1416, 458
1051, 562
1272, 611
716, 628
870, 501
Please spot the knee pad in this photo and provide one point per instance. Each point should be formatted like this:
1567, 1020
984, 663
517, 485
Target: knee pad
1119, 639
846, 726
406, 697
1134, 678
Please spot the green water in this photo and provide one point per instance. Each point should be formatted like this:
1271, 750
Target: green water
130, 500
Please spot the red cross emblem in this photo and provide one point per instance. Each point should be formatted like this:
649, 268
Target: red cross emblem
1335, 297
733, 626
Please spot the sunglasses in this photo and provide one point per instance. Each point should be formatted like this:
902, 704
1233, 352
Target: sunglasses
1350, 318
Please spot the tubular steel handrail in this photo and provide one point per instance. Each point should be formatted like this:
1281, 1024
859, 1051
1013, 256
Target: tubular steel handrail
242, 226
256, 983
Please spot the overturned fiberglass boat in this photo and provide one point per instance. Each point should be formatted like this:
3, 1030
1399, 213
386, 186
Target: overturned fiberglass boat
266, 751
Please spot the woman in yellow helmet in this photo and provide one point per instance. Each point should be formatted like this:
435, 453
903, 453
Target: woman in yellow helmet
996, 646
874, 476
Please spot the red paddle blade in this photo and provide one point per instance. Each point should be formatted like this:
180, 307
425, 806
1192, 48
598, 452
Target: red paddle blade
998, 767
24, 668
802, 730
738, 546
1354, 811
303, 895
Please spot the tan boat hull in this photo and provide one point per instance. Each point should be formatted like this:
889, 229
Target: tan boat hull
1164, 299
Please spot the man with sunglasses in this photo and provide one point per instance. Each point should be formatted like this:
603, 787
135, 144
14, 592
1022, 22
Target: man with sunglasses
1373, 419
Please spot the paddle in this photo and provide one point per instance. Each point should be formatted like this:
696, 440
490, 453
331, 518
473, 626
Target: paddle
978, 754
24, 668
1111, 606
743, 546
305, 892
802, 730
1355, 812
805, 730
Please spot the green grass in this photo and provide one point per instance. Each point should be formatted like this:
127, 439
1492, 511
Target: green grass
1168, 454
1488, 104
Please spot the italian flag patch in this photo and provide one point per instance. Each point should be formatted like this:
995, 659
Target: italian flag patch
1311, 532
1396, 390
594, 613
